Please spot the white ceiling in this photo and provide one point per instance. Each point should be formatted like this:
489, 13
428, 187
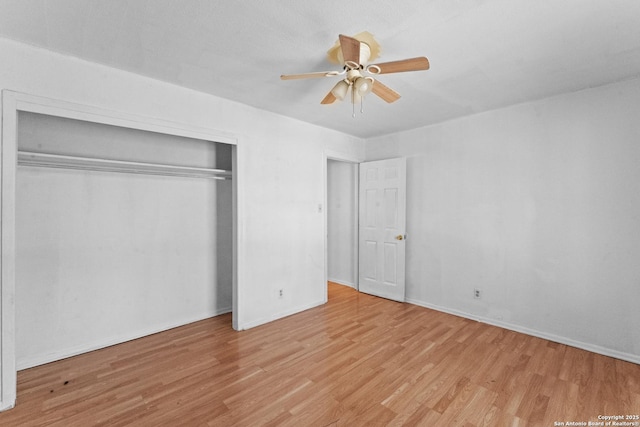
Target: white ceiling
484, 54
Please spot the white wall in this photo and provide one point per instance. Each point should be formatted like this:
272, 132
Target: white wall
537, 205
280, 165
342, 227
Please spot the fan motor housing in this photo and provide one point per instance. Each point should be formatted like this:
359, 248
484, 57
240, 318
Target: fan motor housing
365, 54
353, 74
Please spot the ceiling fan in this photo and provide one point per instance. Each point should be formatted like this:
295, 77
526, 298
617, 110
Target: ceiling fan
354, 54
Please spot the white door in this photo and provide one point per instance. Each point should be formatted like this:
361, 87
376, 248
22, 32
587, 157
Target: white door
382, 228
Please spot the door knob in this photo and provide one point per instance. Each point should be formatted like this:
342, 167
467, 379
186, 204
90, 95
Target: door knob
399, 237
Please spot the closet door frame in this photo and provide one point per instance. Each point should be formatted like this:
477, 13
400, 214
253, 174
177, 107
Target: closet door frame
12, 104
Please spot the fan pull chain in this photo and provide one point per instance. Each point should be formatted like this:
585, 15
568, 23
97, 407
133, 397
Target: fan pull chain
353, 102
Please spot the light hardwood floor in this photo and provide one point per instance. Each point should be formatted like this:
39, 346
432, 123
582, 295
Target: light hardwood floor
356, 361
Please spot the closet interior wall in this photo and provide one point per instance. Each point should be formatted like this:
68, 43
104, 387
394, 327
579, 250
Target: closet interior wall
103, 257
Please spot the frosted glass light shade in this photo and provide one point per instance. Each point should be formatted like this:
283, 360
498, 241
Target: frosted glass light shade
363, 85
340, 89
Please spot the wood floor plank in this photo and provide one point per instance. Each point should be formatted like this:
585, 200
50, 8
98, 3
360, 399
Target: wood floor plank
357, 360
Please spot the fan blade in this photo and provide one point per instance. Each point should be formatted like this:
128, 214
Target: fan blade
350, 49
329, 99
385, 92
309, 75
412, 64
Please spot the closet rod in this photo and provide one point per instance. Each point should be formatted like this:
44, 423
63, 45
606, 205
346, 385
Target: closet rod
30, 158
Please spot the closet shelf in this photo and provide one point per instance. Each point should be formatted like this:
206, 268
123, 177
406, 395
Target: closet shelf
30, 158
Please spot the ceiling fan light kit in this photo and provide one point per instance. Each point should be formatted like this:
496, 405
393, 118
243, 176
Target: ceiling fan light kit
354, 54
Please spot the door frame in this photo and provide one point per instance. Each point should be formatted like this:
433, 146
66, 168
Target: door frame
15, 102
346, 158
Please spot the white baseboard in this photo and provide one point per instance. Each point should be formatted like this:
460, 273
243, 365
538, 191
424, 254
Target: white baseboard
41, 359
7, 406
343, 283
279, 315
633, 358
69, 352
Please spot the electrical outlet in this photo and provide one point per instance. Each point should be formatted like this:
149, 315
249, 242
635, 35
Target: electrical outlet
280, 293
477, 293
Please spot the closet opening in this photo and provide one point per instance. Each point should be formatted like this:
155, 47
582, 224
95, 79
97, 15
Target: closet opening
113, 226
120, 233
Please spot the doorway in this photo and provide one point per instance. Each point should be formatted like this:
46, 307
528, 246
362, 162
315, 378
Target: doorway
365, 224
342, 222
